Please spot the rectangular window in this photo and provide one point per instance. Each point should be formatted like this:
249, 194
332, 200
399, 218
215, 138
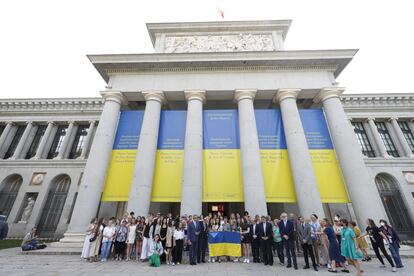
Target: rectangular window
79, 142
407, 134
386, 138
57, 141
36, 141
15, 142
363, 140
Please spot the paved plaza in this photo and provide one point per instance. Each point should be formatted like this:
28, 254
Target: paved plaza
12, 262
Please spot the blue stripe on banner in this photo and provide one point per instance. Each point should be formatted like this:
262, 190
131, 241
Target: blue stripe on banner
221, 129
129, 129
270, 129
316, 130
224, 237
172, 130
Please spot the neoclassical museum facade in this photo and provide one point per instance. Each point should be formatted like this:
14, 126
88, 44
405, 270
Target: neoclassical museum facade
219, 118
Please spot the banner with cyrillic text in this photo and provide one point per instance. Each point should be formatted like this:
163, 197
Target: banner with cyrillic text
222, 178
325, 164
121, 165
170, 153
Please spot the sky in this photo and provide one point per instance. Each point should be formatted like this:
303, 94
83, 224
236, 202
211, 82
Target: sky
43, 44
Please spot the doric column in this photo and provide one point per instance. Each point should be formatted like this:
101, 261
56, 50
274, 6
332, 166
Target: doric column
141, 184
3, 137
43, 141
377, 137
356, 175
401, 138
22, 142
65, 143
253, 182
192, 189
89, 193
88, 140
306, 186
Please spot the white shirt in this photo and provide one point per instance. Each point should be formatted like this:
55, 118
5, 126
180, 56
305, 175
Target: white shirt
179, 234
109, 232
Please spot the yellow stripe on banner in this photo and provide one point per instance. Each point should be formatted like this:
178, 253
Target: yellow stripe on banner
168, 176
278, 179
119, 175
222, 177
224, 249
329, 177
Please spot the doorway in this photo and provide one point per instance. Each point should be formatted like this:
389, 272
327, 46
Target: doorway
394, 205
53, 208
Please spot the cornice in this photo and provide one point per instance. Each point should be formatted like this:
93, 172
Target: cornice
45, 105
334, 60
43, 163
389, 162
378, 101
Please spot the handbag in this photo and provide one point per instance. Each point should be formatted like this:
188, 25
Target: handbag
92, 239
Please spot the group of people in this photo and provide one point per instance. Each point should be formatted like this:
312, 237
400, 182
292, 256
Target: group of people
161, 239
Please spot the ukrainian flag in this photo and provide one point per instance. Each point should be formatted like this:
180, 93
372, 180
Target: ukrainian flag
224, 244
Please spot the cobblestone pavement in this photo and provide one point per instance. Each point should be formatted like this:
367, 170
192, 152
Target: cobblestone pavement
13, 263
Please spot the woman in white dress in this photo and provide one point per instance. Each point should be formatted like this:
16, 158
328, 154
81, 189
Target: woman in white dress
131, 238
97, 239
87, 243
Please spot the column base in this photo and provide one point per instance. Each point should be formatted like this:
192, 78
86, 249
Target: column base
73, 239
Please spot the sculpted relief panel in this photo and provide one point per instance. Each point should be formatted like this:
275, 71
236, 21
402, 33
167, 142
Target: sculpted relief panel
219, 43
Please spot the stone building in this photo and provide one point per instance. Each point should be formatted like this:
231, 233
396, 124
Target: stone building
55, 154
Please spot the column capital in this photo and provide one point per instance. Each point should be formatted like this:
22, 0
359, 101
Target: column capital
114, 95
393, 119
195, 95
92, 122
328, 93
72, 122
370, 119
240, 94
29, 122
154, 95
51, 122
286, 93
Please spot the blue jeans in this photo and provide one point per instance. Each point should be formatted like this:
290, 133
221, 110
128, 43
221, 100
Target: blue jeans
32, 245
395, 252
106, 246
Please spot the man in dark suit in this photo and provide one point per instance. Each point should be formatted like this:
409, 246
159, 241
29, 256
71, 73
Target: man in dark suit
266, 240
287, 232
254, 230
202, 240
193, 231
304, 232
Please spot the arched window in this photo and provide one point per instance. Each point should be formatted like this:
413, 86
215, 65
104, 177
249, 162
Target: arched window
8, 192
53, 208
394, 204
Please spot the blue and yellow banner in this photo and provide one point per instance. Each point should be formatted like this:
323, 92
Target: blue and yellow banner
224, 244
121, 165
278, 180
325, 165
222, 178
170, 153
